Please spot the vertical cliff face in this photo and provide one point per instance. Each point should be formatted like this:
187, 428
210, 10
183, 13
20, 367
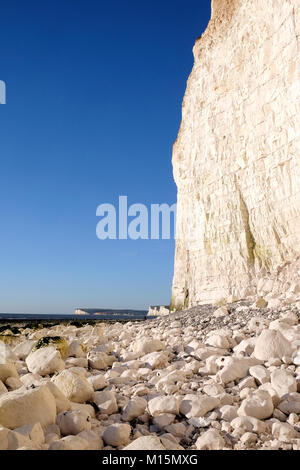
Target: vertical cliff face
237, 156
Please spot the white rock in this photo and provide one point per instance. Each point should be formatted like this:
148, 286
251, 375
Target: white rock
4, 432
33, 431
290, 403
3, 388
271, 344
155, 360
283, 432
134, 408
283, 382
98, 382
13, 384
236, 368
73, 422
69, 443
106, 402
228, 413
117, 435
193, 406
163, 420
258, 405
163, 404
221, 312
260, 373
210, 440
249, 424
23, 349
98, 360
246, 346
248, 438
94, 441
218, 341
145, 443
75, 387
7, 370
22, 407
45, 361
146, 346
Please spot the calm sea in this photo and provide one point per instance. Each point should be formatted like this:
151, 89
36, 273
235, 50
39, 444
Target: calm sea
130, 316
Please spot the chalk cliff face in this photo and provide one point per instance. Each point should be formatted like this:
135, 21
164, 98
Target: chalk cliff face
237, 156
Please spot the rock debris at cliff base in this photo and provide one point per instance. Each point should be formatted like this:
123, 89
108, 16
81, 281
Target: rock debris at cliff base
206, 378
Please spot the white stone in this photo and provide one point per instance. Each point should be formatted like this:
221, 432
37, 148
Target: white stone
7, 370
235, 368
260, 373
248, 424
134, 408
106, 402
45, 361
117, 435
74, 386
73, 422
69, 443
193, 406
258, 405
98, 360
283, 382
283, 432
98, 382
145, 443
146, 346
163, 404
33, 431
271, 344
210, 440
289, 404
22, 407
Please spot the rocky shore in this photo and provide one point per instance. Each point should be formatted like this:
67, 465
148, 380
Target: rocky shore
211, 377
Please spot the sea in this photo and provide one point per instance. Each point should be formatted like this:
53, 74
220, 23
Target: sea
105, 315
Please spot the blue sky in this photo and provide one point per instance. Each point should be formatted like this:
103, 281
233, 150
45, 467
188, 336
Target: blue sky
94, 93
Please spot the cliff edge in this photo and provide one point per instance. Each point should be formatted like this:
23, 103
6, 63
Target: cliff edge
236, 160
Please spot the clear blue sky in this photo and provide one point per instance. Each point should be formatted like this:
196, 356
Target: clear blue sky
94, 93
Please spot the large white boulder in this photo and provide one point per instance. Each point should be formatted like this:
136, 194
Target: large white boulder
134, 408
70, 443
45, 361
146, 346
163, 404
106, 402
117, 434
7, 370
271, 344
290, 403
210, 440
23, 349
258, 404
146, 443
283, 382
73, 422
235, 368
24, 406
62, 402
99, 360
193, 406
74, 386
33, 431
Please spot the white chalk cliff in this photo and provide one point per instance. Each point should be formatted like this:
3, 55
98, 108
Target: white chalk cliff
237, 156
